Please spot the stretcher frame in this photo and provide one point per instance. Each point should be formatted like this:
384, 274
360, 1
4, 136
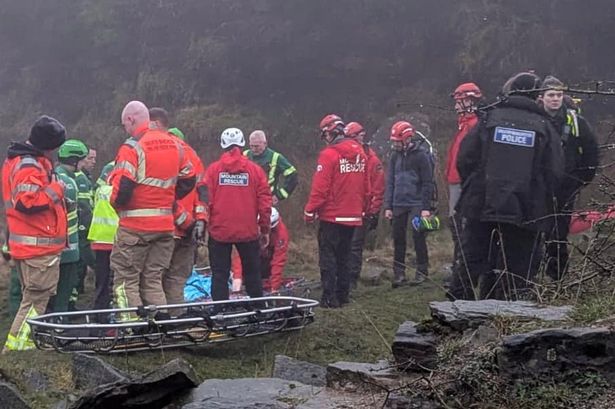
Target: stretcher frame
195, 323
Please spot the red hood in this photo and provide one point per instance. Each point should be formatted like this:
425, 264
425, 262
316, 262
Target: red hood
233, 161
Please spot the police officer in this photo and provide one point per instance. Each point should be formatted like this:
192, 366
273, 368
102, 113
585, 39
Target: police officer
510, 165
581, 160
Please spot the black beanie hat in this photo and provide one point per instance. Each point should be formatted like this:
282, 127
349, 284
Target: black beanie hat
522, 84
47, 133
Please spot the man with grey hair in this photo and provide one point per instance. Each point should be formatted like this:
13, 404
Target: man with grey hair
581, 160
143, 197
275, 166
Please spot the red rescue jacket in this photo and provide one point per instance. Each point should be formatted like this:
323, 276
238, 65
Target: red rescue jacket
193, 206
34, 204
238, 195
376, 181
340, 185
465, 122
152, 162
273, 259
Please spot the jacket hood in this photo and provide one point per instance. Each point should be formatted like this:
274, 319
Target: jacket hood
521, 102
346, 147
233, 160
22, 149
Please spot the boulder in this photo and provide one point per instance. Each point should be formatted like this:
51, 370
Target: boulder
10, 397
91, 371
372, 274
556, 352
362, 377
154, 390
294, 370
463, 314
249, 393
398, 400
413, 350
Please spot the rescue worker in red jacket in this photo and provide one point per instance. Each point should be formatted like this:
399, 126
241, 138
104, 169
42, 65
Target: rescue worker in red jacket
273, 258
151, 171
37, 222
239, 214
466, 97
340, 186
375, 199
190, 218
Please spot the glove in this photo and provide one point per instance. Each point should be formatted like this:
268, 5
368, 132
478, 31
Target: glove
371, 221
236, 286
198, 232
309, 217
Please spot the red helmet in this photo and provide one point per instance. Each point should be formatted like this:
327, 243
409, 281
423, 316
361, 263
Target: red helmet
402, 131
353, 129
330, 122
467, 90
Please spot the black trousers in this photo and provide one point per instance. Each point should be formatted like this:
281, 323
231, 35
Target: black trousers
504, 258
456, 226
220, 262
103, 280
557, 247
355, 261
400, 229
333, 254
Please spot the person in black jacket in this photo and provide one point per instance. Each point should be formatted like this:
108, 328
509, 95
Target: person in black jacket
510, 165
408, 194
581, 161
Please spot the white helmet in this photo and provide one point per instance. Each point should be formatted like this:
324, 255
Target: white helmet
275, 217
232, 136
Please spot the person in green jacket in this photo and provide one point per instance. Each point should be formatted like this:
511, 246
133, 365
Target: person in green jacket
275, 166
69, 154
85, 200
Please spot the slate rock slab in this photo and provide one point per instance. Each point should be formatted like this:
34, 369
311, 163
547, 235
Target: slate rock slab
249, 393
294, 370
152, 391
10, 397
36, 380
91, 371
556, 352
414, 350
362, 377
463, 314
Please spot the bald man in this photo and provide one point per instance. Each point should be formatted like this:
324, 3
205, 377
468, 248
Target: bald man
275, 166
151, 172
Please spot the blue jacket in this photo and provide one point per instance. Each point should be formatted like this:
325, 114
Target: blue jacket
410, 182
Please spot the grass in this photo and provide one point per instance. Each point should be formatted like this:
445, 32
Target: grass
362, 331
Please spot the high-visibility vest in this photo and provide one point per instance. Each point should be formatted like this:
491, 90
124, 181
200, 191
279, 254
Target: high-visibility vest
104, 218
41, 233
154, 162
71, 253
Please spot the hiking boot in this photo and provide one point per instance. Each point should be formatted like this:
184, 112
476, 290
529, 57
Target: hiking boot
399, 279
419, 278
329, 303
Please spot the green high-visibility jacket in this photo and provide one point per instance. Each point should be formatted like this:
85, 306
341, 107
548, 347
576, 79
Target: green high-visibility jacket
275, 166
71, 253
105, 220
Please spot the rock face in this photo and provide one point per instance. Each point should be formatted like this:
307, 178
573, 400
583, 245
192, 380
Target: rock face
361, 377
294, 370
462, 314
154, 390
10, 397
90, 371
413, 350
553, 352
